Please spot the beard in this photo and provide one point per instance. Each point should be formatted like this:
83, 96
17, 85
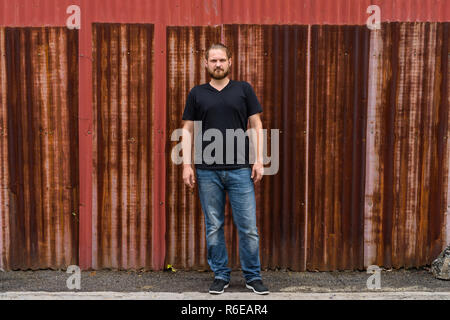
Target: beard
219, 75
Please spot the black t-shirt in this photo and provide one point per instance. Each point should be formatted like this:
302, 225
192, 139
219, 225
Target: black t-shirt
228, 108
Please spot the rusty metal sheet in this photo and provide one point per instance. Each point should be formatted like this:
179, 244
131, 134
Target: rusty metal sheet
123, 139
273, 60
336, 154
185, 231
408, 189
39, 134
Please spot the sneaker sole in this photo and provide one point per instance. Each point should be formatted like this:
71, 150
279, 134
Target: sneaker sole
219, 292
250, 287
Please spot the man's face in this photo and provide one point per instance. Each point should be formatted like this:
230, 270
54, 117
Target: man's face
218, 64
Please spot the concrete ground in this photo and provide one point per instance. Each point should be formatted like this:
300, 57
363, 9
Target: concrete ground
285, 285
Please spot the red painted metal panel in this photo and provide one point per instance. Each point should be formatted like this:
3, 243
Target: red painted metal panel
214, 12
159, 139
332, 11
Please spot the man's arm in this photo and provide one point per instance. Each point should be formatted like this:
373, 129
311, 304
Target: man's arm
186, 143
257, 140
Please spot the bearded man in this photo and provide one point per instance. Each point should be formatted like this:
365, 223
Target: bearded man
223, 105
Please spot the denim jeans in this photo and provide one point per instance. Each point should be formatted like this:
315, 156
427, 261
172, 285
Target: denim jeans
212, 186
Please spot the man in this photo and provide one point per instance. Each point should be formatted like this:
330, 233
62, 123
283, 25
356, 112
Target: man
221, 105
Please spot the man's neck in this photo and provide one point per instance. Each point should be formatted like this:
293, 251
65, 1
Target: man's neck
219, 83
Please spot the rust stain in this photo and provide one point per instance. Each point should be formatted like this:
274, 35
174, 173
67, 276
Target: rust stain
123, 140
41, 182
410, 195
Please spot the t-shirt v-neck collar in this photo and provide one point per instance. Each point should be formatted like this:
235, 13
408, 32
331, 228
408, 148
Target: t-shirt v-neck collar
219, 91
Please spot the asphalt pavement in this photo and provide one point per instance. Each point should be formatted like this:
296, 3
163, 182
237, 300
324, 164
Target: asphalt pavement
181, 282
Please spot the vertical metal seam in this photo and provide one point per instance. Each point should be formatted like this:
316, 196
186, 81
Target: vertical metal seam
85, 118
159, 177
445, 65
371, 159
3, 152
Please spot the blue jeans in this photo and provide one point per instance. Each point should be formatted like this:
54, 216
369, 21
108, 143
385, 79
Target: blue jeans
212, 186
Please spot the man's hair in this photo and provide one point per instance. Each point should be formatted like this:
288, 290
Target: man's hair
218, 46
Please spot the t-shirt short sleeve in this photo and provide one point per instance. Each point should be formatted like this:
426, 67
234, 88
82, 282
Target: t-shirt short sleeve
253, 105
189, 108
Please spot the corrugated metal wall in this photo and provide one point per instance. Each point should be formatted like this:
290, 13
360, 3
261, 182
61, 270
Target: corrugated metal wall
122, 202
274, 60
39, 186
364, 125
330, 129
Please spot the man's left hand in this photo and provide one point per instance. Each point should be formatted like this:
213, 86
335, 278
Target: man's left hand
257, 172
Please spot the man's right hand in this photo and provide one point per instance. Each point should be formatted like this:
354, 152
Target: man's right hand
188, 176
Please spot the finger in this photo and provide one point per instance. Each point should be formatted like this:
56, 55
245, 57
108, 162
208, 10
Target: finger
261, 173
254, 173
260, 176
187, 182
